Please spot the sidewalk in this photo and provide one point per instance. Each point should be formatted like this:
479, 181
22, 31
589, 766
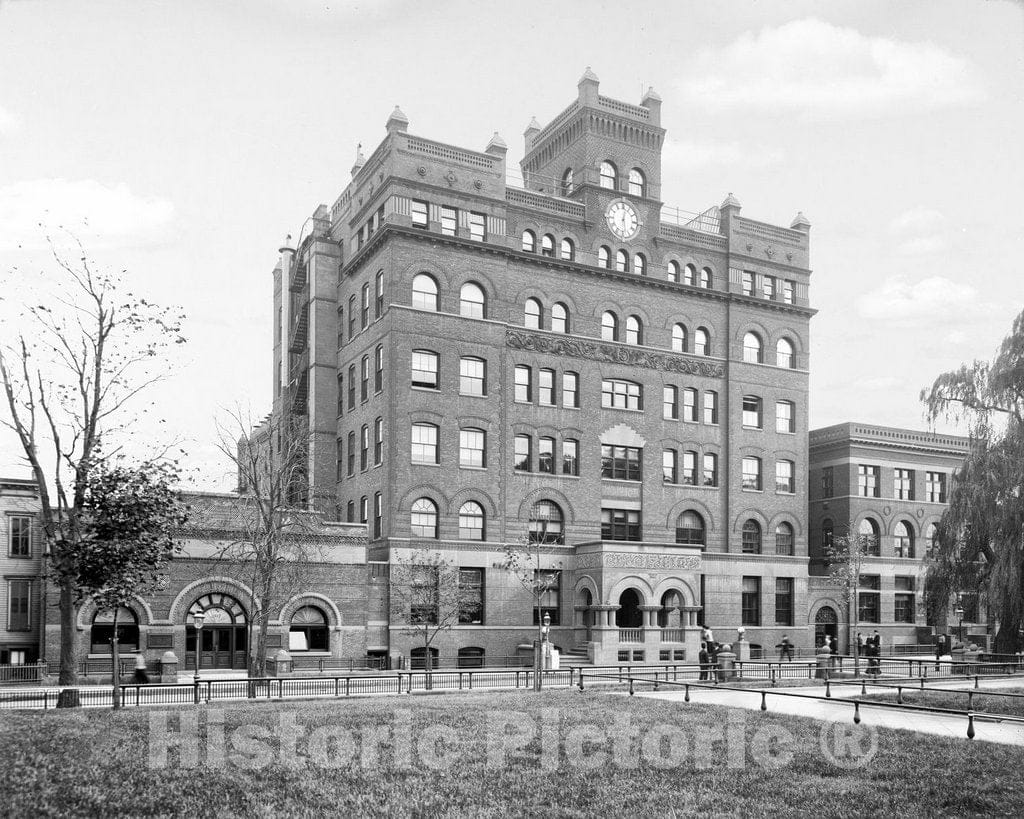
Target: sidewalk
803, 705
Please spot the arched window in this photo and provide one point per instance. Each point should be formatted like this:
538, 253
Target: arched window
827, 534
102, 631
604, 257
753, 349
424, 518
690, 275
690, 529
673, 271
546, 523
471, 656
424, 292
559, 317
472, 301
567, 250
609, 175
701, 342
634, 330
678, 338
471, 521
529, 241
308, 630
547, 245
931, 539
752, 537
784, 353
903, 539
783, 539
566, 188
706, 279
640, 264
637, 183
868, 529
609, 326
622, 261
533, 314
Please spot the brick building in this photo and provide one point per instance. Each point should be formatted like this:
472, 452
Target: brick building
570, 362
20, 568
892, 485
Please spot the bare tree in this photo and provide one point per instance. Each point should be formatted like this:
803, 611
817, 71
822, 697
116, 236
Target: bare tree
426, 598
523, 559
78, 358
845, 556
278, 544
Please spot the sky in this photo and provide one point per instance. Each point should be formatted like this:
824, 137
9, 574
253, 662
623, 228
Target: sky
181, 141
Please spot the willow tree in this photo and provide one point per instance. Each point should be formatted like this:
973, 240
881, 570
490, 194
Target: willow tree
78, 350
980, 539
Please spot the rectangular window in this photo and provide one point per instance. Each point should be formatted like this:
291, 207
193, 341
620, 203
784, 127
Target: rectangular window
424, 369
784, 420
378, 441
449, 220
868, 603
904, 600
378, 514
620, 524
669, 466
351, 317
748, 283
768, 287
378, 369
783, 601
546, 455
827, 482
670, 403
364, 447
472, 447
935, 487
710, 469
471, 597
524, 384
418, 211
690, 468
546, 387
20, 528
548, 583
339, 471
364, 378
351, 454
472, 376
523, 455
364, 313
621, 394
751, 602
19, 605
477, 226
570, 390
352, 386
424, 444
788, 287
752, 411
364, 509
867, 481
690, 405
784, 478
380, 294
621, 462
570, 457
752, 473
903, 484
710, 407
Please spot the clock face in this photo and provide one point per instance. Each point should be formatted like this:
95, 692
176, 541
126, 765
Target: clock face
622, 219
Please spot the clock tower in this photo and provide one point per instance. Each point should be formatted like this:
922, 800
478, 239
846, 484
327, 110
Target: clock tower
606, 154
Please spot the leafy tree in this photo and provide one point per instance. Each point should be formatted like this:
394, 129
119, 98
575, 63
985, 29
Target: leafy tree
426, 597
845, 558
128, 516
537, 577
74, 361
980, 539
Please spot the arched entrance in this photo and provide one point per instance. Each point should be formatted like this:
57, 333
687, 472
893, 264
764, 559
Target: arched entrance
629, 614
224, 633
585, 616
670, 615
826, 621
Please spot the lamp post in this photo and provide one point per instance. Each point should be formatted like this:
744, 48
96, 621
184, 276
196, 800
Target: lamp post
197, 620
959, 612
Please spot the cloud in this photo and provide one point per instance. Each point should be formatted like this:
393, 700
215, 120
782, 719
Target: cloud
684, 155
818, 69
880, 382
9, 122
103, 214
927, 301
923, 232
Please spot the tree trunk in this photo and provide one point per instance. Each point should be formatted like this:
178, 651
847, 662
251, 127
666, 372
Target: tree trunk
115, 674
427, 664
68, 645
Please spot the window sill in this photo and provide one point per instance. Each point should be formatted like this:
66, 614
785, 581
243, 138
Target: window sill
424, 463
473, 468
621, 409
747, 489
471, 395
420, 388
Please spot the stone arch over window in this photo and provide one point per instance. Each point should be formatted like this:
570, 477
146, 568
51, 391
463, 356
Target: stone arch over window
548, 494
638, 584
622, 435
185, 598
87, 612
692, 504
472, 494
546, 523
328, 606
691, 529
308, 629
101, 631
786, 517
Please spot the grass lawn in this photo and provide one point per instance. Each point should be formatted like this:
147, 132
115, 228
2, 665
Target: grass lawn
598, 754
983, 701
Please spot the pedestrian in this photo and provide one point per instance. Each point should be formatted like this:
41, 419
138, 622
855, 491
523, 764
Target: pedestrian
705, 660
836, 658
940, 649
141, 676
826, 646
785, 649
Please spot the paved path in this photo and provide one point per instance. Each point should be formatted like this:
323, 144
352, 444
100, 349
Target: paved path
804, 705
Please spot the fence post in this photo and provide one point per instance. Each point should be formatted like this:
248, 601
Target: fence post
581, 679
686, 697
764, 705
195, 684
856, 712
970, 725
631, 686
899, 694
970, 700
321, 665
771, 674
828, 686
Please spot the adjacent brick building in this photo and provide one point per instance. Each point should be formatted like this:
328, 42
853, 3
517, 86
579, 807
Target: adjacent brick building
20, 568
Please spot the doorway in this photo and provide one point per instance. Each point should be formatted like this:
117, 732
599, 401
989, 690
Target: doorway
826, 622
